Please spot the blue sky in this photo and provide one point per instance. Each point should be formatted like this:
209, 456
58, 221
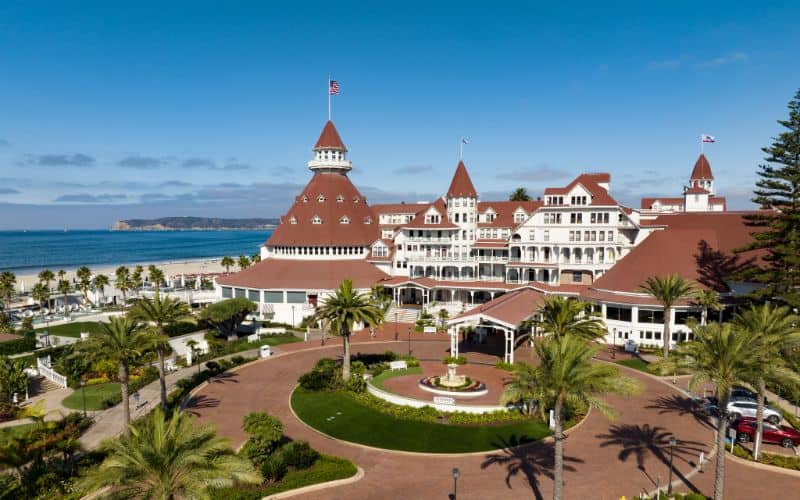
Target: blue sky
112, 111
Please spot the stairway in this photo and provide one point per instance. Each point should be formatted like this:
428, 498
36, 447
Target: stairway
404, 314
40, 385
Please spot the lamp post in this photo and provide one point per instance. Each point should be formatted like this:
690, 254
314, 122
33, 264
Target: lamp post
83, 396
409, 341
672, 443
292, 316
614, 345
395, 326
456, 474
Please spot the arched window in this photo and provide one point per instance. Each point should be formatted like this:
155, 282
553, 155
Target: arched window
305, 199
344, 219
339, 198
355, 199
316, 220
321, 198
293, 220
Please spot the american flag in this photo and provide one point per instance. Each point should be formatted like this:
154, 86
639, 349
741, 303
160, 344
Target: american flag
707, 138
333, 87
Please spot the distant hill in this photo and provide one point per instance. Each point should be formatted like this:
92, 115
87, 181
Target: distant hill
193, 224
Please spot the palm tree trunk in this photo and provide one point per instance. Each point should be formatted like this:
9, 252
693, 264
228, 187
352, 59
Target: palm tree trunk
558, 463
667, 333
162, 379
704, 316
123, 387
346, 359
722, 431
762, 389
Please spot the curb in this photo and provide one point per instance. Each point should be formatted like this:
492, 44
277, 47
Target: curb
765, 467
358, 476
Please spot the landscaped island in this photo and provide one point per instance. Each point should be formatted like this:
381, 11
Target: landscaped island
193, 224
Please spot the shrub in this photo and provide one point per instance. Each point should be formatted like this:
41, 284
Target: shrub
299, 454
213, 367
502, 365
273, 468
237, 360
265, 433
18, 346
459, 360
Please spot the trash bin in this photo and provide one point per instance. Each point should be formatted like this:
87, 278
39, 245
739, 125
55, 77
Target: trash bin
265, 351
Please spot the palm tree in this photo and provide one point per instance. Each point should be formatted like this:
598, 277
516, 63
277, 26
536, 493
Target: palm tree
519, 194
40, 294
726, 356
227, 263
169, 458
522, 387
123, 282
561, 316
7, 284
773, 333
155, 275
137, 278
255, 258
13, 378
192, 345
64, 287
101, 281
707, 299
667, 290
46, 276
342, 311
122, 341
565, 376
84, 275
161, 313
243, 262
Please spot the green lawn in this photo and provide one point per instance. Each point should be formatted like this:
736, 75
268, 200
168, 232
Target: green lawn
73, 329
340, 416
636, 364
95, 395
387, 374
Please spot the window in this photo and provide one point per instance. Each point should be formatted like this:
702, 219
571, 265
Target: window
367, 220
531, 234
316, 220
305, 199
293, 220
576, 277
344, 219
682, 317
355, 199
380, 251
239, 293
227, 292
593, 218
339, 198
605, 218
296, 297
519, 217
254, 295
618, 313
651, 316
546, 235
273, 297
611, 236
321, 198
602, 236
572, 236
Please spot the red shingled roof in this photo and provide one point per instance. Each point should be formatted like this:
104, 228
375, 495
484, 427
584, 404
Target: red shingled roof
461, 185
419, 218
505, 211
592, 184
304, 274
362, 229
511, 309
397, 208
696, 190
702, 169
648, 202
329, 138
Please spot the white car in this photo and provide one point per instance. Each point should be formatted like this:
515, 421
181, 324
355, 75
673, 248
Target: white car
746, 408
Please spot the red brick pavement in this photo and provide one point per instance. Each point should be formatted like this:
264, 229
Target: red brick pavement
605, 460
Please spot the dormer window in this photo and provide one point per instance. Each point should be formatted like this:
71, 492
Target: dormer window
367, 220
293, 220
339, 198
344, 219
321, 198
316, 220
305, 199
355, 199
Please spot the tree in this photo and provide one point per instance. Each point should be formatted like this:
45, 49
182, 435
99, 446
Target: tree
562, 316
137, 279
667, 290
123, 282
566, 376
707, 299
778, 230
122, 342
255, 258
723, 355
266, 433
155, 276
84, 275
519, 194
7, 284
192, 345
227, 315
773, 333
169, 458
227, 263
12, 379
342, 310
161, 313
45, 277
243, 262
64, 287
522, 387
443, 317
101, 281
40, 294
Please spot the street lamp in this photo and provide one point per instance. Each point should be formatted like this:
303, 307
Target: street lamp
672, 443
83, 396
292, 316
409, 341
395, 326
614, 345
456, 474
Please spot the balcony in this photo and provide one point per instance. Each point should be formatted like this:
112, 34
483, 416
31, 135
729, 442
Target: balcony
430, 239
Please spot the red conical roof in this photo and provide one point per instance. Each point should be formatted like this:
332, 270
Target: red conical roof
702, 169
329, 138
461, 185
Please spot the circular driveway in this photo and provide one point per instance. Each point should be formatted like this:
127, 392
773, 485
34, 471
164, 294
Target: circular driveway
603, 459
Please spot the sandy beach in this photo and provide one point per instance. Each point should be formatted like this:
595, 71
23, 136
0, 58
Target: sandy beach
174, 268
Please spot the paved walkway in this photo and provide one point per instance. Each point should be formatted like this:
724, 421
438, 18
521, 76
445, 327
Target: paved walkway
604, 460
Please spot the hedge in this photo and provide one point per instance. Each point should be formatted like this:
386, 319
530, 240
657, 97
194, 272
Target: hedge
18, 346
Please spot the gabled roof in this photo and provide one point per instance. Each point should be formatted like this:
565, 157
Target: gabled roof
329, 138
419, 218
461, 185
702, 169
293, 274
697, 190
339, 198
590, 182
509, 310
397, 208
647, 203
505, 210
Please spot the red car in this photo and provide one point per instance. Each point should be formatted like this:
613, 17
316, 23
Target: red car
783, 435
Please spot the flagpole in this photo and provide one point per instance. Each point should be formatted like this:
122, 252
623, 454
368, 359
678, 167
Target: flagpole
329, 97
702, 145
461, 149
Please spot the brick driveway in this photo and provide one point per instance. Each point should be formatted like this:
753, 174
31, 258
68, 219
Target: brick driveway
604, 459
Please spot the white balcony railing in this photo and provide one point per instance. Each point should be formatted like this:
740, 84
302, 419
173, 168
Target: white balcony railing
43, 366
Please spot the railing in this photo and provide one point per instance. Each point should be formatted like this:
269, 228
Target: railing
431, 239
43, 365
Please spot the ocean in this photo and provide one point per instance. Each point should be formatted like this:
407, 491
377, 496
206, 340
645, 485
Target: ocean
25, 251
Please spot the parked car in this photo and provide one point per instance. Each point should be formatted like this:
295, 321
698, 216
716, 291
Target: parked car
739, 392
746, 408
780, 434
